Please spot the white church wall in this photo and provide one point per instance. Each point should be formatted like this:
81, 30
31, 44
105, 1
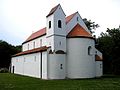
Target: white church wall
31, 65
99, 68
17, 62
25, 47
44, 65
56, 66
79, 63
28, 65
60, 43
50, 42
36, 43
50, 31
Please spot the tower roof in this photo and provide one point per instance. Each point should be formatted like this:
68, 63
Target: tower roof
52, 10
79, 31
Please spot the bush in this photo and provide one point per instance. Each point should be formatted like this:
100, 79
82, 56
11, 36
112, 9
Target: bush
4, 70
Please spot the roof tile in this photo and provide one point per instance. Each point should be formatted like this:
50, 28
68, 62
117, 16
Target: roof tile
53, 10
44, 48
98, 58
79, 31
36, 34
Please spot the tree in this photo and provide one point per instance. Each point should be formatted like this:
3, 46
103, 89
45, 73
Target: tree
109, 45
6, 51
90, 25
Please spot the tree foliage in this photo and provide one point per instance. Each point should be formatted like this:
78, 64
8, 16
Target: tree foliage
90, 25
6, 51
109, 45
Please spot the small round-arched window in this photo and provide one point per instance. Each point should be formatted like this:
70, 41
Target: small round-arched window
49, 24
77, 19
59, 24
89, 50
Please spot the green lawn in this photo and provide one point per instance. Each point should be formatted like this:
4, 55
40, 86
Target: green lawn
16, 82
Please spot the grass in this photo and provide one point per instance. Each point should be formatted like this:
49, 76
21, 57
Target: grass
16, 82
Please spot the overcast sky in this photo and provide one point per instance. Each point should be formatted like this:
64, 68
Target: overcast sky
19, 18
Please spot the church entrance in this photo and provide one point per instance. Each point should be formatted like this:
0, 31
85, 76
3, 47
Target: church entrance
13, 69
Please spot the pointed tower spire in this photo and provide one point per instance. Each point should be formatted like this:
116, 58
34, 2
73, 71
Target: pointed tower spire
52, 10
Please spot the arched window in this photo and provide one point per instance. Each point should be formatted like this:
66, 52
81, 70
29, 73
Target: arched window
24, 59
49, 24
89, 50
61, 66
60, 43
28, 46
35, 58
77, 19
59, 24
40, 42
100, 65
50, 52
33, 44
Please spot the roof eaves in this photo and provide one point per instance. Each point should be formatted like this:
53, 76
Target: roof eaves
41, 49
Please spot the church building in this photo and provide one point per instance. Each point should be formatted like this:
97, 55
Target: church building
63, 49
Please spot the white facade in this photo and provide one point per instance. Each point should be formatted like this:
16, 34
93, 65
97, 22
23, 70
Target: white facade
99, 69
53, 55
27, 65
56, 66
79, 63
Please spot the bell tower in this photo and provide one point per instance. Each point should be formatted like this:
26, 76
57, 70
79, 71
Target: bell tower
56, 29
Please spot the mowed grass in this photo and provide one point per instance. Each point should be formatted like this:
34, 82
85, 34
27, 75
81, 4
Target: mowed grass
16, 82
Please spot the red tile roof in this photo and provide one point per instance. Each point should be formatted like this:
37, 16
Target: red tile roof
79, 31
36, 34
98, 58
53, 10
44, 48
68, 18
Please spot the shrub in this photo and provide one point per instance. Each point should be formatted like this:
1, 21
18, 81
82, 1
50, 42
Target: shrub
4, 70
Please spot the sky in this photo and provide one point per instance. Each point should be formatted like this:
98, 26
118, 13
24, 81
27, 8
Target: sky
20, 18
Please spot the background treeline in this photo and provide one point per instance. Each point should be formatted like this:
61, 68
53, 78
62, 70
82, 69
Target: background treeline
109, 45
6, 51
